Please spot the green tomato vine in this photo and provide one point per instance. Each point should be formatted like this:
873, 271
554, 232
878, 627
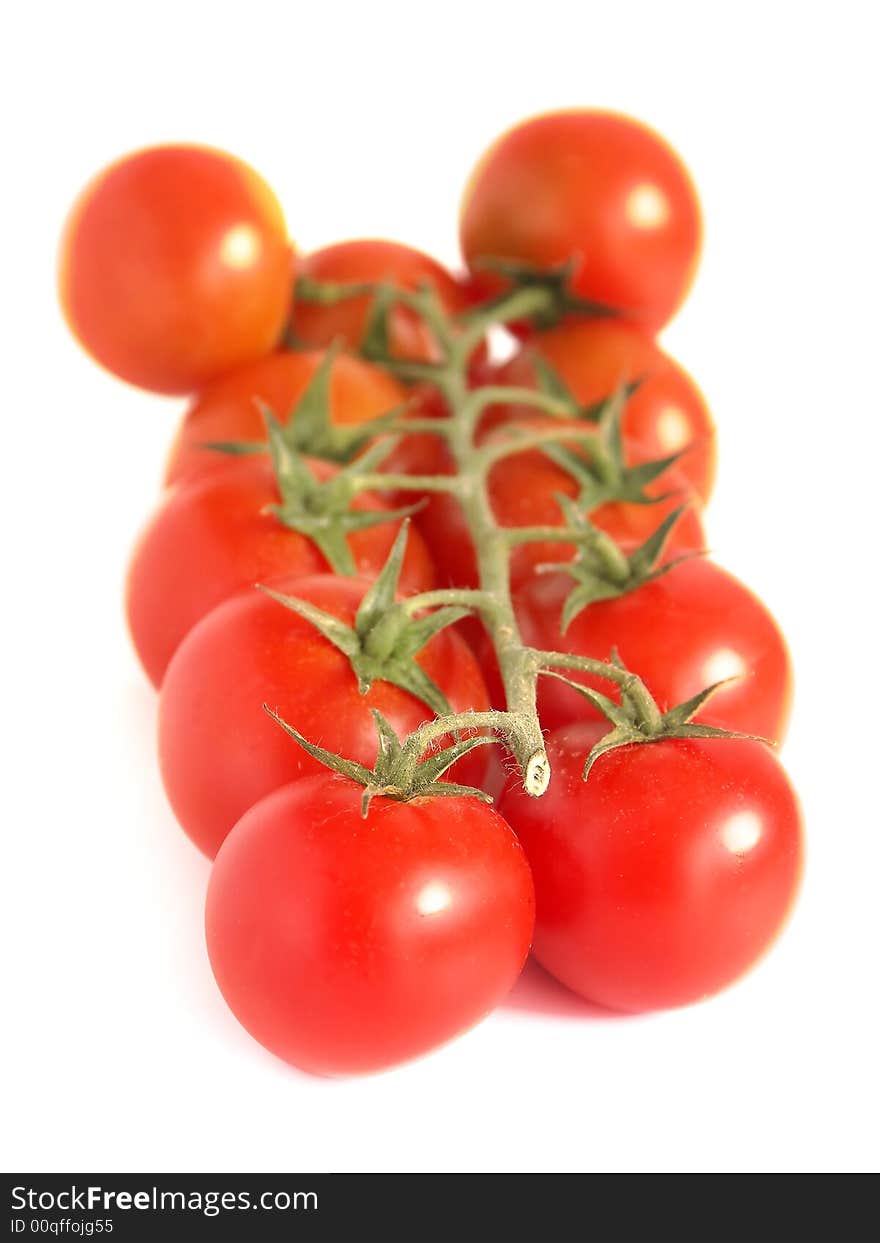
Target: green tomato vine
601, 569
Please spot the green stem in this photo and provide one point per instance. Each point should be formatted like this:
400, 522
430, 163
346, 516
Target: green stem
420, 740
378, 482
519, 304
511, 395
463, 596
612, 558
520, 666
519, 442
542, 535
630, 684
519, 676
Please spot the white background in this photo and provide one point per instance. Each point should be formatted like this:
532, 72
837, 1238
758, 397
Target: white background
119, 1052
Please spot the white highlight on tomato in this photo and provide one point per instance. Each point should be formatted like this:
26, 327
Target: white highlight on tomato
672, 429
742, 832
647, 207
240, 246
723, 664
435, 897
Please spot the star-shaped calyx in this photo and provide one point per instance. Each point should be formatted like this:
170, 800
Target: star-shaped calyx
636, 719
401, 772
553, 282
309, 428
385, 638
602, 472
602, 570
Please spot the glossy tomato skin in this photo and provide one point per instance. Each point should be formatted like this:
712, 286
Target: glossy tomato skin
218, 750
227, 410
175, 267
214, 536
373, 260
667, 874
595, 187
690, 628
524, 490
666, 414
346, 945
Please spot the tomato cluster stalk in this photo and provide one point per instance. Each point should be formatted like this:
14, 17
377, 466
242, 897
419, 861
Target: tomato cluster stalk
520, 666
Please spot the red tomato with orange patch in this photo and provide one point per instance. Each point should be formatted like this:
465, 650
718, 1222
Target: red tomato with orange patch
175, 267
596, 188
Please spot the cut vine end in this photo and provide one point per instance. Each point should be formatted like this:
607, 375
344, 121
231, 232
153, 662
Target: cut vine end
537, 774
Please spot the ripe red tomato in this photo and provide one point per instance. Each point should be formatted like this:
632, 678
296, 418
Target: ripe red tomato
665, 415
594, 187
213, 537
220, 753
523, 490
175, 267
374, 261
665, 875
345, 944
693, 626
227, 411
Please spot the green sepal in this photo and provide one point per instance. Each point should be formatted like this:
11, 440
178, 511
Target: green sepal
434, 765
638, 477
333, 630
605, 476
371, 458
446, 789
682, 713
394, 775
557, 283
406, 674
388, 639
421, 630
550, 381
381, 596
384, 640
390, 748
345, 768
630, 728
320, 509
328, 293
309, 420
375, 343
603, 571
292, 473
234, 448
309, 428
326, 533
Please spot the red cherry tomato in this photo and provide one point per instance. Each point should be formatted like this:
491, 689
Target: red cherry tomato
664, 876
693, 626
345, 944
214, 536
667, 413
175, 267
374, 261
227, 410
597, 188
219, 751
524, 490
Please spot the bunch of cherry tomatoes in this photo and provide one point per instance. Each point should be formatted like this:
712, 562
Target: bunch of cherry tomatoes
347, 938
